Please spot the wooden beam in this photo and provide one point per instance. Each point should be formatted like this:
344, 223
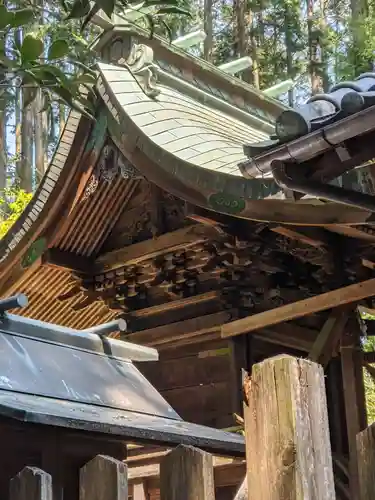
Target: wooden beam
329, 337
68, 261
152, 470
309, 237
288, 452
288, 335
366, 462
149, 249
187, 473
354, 397
182, 330
289, 312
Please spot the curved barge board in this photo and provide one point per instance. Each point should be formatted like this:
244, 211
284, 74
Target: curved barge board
193, 150
49, 196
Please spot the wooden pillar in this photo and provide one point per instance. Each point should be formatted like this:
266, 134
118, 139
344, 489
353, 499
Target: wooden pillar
187, 473
240, 359
139, 491
287, 435
336, 408
354, 396
366, 463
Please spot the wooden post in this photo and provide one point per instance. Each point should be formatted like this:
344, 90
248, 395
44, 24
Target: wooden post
31, 484
287, 435
139, 491
239, 359
354, 397
103, 478
366, 463
186, 473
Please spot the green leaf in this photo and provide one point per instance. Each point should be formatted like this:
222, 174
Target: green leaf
5, 61
79, 9
89, 16
58, 49
167, 29
107, 6
150, 3
86, 78
46, 102
5, 17
32, 47
22, 17
173, 10
151, 24
30, 94
83, 66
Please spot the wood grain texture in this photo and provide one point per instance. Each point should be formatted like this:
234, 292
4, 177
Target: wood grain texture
354, 398
329, 336
139, 491
103, 478
366, 463
31, 484
186, 473
134, 254
287, 435
322, 302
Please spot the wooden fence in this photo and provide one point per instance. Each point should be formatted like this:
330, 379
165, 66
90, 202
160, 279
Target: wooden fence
287, 444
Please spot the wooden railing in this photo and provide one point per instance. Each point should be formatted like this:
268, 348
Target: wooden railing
186, 473
287, 444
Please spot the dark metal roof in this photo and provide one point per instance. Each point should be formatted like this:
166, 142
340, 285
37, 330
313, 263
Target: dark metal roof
323, 122
59, 381
317, 147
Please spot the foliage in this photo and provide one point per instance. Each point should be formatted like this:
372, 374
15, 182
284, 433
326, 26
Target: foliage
13, 201
33, 44
369, 345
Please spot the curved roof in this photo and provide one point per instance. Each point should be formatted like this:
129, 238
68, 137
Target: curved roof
192, 148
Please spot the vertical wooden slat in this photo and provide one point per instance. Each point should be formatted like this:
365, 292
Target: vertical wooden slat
139, 491
186, 473
355, 410
31, 484
366, 463
287, 435
239, 349
103, 478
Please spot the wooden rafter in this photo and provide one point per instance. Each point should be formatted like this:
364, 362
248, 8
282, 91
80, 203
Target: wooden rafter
289, 312
182, 331
169, 242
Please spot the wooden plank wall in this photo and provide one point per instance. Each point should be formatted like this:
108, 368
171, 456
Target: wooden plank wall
195, 380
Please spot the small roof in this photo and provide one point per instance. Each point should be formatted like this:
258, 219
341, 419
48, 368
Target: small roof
63, 382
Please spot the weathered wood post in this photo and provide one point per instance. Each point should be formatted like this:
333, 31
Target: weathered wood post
31, 484
366, 463
287, 435
187, 473
103, 478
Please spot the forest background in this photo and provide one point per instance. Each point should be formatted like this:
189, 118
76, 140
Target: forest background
45, 56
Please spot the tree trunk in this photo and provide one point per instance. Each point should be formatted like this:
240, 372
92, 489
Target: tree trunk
208, 28
361, 61
3, 156
27, 135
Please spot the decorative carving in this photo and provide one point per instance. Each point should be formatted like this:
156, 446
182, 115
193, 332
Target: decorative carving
110, 164
141, 65
174, 212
